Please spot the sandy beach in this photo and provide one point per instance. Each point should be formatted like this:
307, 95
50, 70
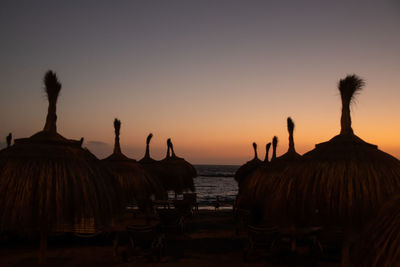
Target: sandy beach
209, 239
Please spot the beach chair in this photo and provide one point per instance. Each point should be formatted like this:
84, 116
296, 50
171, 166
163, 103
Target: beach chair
171, 221
262, 239
145, 240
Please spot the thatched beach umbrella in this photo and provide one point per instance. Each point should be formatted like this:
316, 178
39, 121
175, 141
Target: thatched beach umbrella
257, 186
247, 168
182, 169
135, 181
379, 243
162, 170
342, 182
48, 181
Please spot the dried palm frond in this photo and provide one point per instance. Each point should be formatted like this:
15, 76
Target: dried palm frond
52, 89
348, 88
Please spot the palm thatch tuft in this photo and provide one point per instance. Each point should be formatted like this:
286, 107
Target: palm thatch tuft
290, 127
171, 147
255, 150
274, 145
117, 129
9, 139
267, 148
168, 155
148, 139
348, 87
291, 155
52, 89
147, 154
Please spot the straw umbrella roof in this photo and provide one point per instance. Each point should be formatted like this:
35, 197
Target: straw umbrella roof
342, 182
257, 186
182, 169
135, 181
247, 168
162, 170
379, 244
47, 180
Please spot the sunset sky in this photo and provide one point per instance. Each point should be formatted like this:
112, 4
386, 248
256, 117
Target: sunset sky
214, 76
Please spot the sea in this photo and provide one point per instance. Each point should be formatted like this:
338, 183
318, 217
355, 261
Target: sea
214, 181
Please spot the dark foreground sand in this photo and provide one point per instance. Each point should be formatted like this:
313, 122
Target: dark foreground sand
209, 240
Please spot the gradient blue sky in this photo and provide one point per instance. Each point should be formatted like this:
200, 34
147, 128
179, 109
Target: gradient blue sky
213, 75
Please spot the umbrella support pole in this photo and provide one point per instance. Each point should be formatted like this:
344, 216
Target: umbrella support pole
43, 247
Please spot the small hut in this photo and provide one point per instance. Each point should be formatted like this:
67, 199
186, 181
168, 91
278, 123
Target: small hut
342, 182
379, 243
48, 182
135, 181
